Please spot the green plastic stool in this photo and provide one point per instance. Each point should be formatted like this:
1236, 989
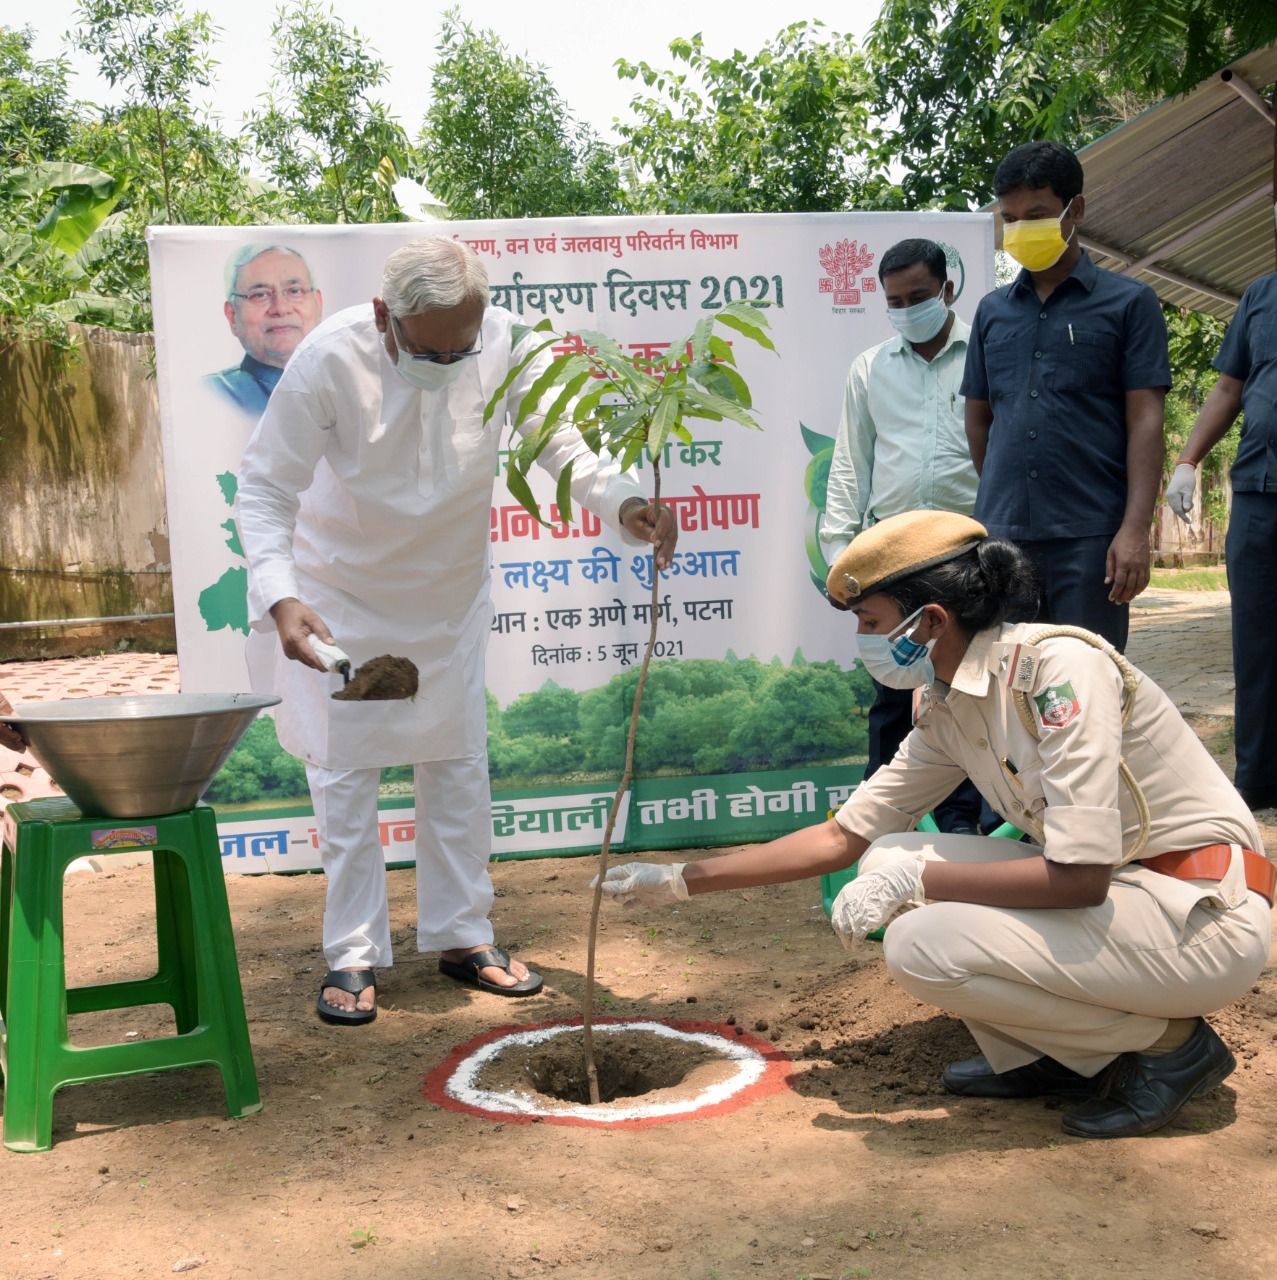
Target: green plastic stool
831, 884
198, 973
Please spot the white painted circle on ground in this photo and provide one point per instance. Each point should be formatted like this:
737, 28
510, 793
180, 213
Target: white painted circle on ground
461, 1087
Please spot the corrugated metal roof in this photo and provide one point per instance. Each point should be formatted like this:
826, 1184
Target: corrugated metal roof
1182, 196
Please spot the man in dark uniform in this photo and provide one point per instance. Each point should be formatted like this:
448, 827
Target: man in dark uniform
1066, 375
1247, 364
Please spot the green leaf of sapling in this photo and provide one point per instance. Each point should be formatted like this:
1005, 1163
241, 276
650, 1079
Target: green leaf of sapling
564, 493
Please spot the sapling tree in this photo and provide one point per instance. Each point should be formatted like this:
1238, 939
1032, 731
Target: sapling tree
625, 406
157, 54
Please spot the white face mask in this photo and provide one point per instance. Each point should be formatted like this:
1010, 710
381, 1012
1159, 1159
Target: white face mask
897, 660
426, 375
921, 322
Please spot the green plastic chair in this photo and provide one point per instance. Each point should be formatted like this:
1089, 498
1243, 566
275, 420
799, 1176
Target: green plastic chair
832, 883
197, 973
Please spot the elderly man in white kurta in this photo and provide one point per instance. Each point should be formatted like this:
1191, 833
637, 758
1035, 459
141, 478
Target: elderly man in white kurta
363, 509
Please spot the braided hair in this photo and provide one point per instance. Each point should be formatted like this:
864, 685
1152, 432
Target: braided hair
992, 583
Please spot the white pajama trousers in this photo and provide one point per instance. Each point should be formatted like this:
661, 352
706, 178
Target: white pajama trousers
454, 840
1080, 985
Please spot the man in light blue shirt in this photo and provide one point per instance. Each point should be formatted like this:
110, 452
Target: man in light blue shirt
902, 446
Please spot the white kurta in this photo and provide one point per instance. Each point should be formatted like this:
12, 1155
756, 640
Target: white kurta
369, 500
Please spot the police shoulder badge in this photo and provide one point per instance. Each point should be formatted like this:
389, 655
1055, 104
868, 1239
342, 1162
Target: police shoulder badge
1016, 664
1057, 705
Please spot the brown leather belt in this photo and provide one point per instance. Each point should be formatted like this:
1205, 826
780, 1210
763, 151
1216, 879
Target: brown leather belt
1211, 862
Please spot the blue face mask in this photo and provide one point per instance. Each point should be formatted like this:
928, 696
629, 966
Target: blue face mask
921, 322
897, 660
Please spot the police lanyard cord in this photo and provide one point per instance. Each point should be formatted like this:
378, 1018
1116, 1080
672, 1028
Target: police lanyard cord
1130, 682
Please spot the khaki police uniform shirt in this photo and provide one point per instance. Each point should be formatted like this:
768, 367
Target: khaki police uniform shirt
1062, 786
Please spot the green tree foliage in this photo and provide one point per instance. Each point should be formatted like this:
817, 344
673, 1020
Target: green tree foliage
156, 55
782, 131
1153, 47
955, 95
334, 150
499, 141
801, 717
170, 162
960, 82
36, 117
53, 212
50, 264
258, 769
698, 716
550, 711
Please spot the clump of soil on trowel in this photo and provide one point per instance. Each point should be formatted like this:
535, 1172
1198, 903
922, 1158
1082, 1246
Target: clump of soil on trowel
381, 679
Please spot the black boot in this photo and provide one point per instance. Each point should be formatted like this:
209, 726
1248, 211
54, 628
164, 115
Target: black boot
974, 1078
1142, 1091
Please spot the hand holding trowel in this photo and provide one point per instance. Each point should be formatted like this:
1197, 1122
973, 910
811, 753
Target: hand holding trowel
380, 679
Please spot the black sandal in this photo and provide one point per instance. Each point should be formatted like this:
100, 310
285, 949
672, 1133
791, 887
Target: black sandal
467, 970
354, 981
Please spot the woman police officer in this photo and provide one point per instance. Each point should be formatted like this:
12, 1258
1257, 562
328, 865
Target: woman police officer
1081, 963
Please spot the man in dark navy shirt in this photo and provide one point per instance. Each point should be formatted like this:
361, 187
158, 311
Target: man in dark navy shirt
1066, 377
1247, 364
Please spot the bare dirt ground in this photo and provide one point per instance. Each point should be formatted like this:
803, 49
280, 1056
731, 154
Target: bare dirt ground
861, 1167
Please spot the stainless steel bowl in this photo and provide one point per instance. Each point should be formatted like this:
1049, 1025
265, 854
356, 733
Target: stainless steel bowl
136, 757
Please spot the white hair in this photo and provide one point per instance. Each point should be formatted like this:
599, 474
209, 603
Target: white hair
431, 274
247, 253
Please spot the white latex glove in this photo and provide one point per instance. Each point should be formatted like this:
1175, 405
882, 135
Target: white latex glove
648, 883
870, 900
1179, 493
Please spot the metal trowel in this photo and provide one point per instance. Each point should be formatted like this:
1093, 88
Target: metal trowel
381, 679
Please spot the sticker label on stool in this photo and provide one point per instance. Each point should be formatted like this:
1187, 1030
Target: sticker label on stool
124, 838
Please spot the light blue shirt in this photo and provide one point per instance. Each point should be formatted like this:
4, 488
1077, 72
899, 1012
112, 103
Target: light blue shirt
902, 442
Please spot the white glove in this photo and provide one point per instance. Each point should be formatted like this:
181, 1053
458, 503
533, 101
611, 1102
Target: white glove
649, 883
1179, 493
870, 900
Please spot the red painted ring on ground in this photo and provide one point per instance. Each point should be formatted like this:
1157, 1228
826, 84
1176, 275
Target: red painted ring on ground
764, 1070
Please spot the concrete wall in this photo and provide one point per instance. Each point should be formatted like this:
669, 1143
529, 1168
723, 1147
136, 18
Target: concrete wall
83, 527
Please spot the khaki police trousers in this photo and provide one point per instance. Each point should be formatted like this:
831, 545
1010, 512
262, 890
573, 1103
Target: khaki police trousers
1081, 984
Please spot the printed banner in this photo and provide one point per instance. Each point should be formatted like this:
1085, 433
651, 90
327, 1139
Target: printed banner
754, 674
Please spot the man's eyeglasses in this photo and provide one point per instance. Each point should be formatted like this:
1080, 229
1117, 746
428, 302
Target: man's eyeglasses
434, 357
264, 297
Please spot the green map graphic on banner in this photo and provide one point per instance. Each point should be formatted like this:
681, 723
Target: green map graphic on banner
225, 603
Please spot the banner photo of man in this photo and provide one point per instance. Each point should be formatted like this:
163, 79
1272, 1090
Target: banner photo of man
271, 304
755, 697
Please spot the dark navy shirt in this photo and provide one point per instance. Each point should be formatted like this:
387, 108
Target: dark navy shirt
1249, 354
1056, 374
247, 385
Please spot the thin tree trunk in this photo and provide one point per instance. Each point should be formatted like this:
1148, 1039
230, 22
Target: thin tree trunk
587, 1000
159, 130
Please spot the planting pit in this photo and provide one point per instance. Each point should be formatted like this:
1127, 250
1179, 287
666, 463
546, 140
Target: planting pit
649, 1073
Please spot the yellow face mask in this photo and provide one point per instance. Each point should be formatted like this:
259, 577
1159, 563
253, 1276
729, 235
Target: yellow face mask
1036, 243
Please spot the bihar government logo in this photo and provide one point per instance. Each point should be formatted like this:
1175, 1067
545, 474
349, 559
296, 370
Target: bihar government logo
957, 271
845, 265
1057, 706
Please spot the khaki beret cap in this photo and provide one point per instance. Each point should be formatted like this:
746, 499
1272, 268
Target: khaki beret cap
898, 546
